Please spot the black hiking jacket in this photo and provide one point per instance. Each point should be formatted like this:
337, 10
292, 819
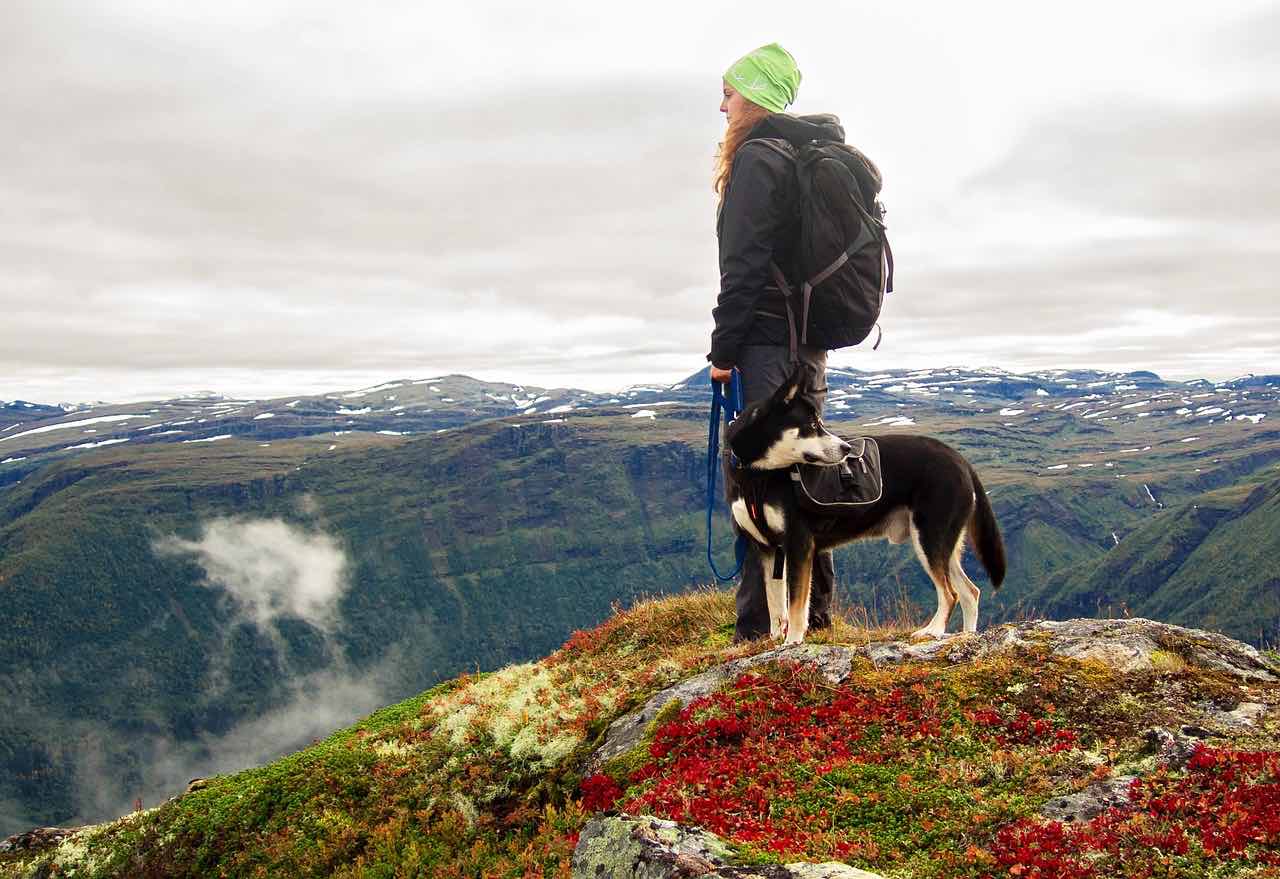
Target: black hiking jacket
759, 222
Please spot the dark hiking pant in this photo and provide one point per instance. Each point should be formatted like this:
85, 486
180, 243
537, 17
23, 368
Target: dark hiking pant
764, 368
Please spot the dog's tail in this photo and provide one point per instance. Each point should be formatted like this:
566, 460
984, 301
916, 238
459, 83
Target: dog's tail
985, 533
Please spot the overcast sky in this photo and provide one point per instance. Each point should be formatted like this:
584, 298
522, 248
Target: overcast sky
267, 197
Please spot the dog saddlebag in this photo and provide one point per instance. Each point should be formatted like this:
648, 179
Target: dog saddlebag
854, 483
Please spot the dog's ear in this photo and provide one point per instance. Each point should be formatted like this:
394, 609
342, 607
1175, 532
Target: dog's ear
794, 384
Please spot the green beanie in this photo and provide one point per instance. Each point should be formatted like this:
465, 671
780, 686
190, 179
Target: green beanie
768, 77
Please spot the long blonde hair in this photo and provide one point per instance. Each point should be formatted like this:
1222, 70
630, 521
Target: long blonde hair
739, 127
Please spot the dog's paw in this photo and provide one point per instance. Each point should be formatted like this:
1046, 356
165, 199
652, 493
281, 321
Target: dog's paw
926, 632
793, 641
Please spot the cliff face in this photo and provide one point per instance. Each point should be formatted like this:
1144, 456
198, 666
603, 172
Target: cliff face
1085, 748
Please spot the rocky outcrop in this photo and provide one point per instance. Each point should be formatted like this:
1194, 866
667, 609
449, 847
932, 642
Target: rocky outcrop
38, 838
1128, 646
641, 847
1174, 747
1093, 800
650, 848
626, 732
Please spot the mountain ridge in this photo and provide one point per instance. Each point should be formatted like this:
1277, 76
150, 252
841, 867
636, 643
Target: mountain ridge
448, 402
955, 758
110, 558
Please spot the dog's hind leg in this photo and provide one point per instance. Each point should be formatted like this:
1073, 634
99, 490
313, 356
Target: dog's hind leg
775, 593
799, 582
966, 589
939, 572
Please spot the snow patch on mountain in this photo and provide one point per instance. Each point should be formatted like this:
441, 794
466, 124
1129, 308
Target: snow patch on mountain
101, 419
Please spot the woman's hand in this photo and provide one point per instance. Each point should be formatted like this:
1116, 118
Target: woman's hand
721, 375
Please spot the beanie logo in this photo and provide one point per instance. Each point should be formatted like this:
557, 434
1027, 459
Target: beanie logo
758, 83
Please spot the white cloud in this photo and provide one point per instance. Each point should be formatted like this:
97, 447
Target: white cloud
269, 568
312, 706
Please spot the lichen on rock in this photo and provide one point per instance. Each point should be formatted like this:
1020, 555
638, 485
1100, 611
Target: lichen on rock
644, 847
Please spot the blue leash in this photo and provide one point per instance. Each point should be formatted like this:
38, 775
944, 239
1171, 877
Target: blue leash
731, 405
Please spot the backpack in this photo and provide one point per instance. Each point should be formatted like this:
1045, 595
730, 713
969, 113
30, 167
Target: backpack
843, 256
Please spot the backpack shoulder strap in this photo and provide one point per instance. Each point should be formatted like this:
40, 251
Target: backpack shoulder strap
777, 144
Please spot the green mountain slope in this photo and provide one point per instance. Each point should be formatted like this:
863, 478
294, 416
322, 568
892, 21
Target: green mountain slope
466, 551
127, 666
1213, 561
918, 762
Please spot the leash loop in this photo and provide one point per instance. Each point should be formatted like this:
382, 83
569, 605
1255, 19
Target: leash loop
730, 405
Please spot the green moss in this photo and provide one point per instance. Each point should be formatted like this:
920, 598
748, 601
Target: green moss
622, 766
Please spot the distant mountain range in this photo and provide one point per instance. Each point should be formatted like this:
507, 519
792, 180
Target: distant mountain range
197, 584
34, 434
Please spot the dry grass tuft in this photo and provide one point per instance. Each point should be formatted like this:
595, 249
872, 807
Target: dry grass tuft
670, 620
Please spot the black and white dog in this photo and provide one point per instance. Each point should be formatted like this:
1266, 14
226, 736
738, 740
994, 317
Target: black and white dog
931, 496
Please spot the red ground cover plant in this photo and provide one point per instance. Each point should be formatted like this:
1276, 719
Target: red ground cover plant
1226, 807
1022, 729
599, 793
788, 764
729, 759
908, 769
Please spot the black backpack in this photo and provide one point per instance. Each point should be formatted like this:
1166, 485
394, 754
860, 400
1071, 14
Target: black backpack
843, 259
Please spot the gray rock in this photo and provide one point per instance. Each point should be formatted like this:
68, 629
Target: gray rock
1093, 800
645, 848
37, 838
642, 847
927, 650
1127, 653
1138, 638
1245, 716
1174, 746
1245, 662
893, 652
834, 663
627, 731
889, 653
1125, 645
823, 871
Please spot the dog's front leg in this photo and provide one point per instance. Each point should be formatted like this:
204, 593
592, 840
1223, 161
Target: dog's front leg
775, 593
800, 552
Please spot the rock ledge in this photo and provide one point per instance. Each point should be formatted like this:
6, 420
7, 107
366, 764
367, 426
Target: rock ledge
1129, 646
642, 847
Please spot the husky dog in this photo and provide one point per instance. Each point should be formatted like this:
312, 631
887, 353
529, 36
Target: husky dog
931, 496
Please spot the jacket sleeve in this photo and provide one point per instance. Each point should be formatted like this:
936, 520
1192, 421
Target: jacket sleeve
752, 217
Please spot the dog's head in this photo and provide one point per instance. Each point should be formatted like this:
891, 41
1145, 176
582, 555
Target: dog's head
784, 429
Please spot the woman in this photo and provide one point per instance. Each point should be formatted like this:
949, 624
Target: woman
757, 225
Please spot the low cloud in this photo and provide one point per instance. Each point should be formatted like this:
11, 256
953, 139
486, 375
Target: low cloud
13, 818
316, 704
269, 569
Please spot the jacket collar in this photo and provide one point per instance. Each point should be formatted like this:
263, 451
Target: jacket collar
799, 130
